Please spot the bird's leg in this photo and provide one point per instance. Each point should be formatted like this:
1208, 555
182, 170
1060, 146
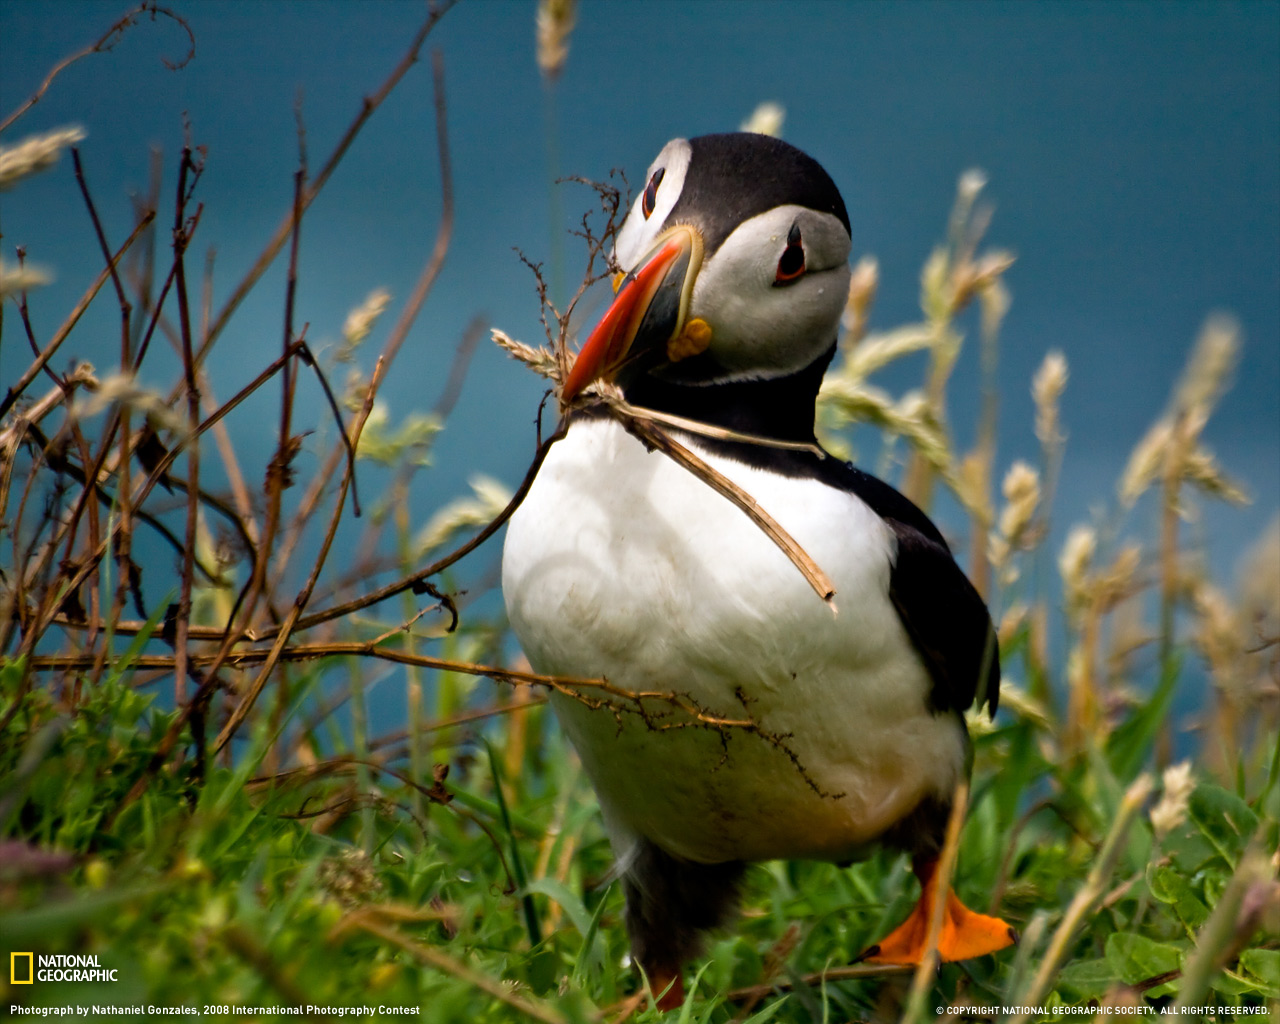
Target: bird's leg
667, 987
963, 933
671, 903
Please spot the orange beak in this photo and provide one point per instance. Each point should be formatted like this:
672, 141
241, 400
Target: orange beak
650, 309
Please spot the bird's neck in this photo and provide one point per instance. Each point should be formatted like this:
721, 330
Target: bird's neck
779, 408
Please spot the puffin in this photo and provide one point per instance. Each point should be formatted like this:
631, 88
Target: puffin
621, 564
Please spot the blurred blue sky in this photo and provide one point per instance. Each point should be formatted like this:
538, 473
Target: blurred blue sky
1133, 153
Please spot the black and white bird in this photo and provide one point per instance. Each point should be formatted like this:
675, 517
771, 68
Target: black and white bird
622, 564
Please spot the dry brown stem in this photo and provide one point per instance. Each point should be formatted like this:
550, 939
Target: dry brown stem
285, 227
653, 437
104, 43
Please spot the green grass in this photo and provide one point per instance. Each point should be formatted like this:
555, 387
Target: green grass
463, 869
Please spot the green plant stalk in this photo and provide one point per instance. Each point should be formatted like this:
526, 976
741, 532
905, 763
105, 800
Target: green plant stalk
555, 208
448, 698
517, 863
1221, 934
28, 762
979, 565
441, 961
413, 675
497, 811
1086, 898
1134, 740
360, 749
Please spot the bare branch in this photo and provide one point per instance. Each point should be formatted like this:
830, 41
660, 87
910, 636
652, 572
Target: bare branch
281, 235
16, 390
106, 42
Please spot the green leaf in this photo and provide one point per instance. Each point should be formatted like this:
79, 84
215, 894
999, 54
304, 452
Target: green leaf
1224, 819
1135, 958
1130, 744
1231, 984
575, 910
1264, 965
1086, 979
541, 967
1189, 850
1169, 885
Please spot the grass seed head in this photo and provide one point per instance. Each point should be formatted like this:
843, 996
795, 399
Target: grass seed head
1074, 561
124, 389
1145, 462
1022, 493
34, 154
15, 280
1209, 368
1171, 810
489, 497
1046, 388
863, 284
766, 119
555, 21
360, 321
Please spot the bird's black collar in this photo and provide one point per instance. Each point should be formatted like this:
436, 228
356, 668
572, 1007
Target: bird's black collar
780, 409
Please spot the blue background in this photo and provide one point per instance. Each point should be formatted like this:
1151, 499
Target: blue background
1133, 152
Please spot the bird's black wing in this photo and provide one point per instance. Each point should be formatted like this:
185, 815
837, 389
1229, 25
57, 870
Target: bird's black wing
944, 615
947, 621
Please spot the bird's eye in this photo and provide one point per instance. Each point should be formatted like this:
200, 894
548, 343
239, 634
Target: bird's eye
651, 192
791, 262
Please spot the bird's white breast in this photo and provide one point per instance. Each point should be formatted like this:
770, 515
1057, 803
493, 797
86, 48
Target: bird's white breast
621, 564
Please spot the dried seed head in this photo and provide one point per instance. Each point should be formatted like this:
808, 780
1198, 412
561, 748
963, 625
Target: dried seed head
1218, 632
34, 154
540, 360
972, 478
1259, 577
1145, 461
1209, 367
1077, 670
15, 280
1014, 618
123, 388
1022, 493
994, 300
1073, 563
935, 291
980, 277
971, 183
998, 552
1201, 468
766, 119
556, 19
360, 320
489, 498
1171, 810
862, 292
351, 878
390, 444
1117, 581
1022, 496
1046, 388
879, 350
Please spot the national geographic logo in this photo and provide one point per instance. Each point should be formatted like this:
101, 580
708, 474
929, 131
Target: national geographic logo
27, 968
18, 976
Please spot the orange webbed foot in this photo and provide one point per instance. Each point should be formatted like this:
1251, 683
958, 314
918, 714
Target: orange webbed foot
963, 934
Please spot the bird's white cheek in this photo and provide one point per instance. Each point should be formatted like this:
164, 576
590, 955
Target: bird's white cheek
768, 330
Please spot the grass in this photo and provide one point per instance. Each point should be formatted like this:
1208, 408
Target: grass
193, 794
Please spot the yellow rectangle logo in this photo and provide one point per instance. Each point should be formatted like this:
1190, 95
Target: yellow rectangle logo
13, 968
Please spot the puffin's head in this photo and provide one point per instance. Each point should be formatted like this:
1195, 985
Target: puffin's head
735, 260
